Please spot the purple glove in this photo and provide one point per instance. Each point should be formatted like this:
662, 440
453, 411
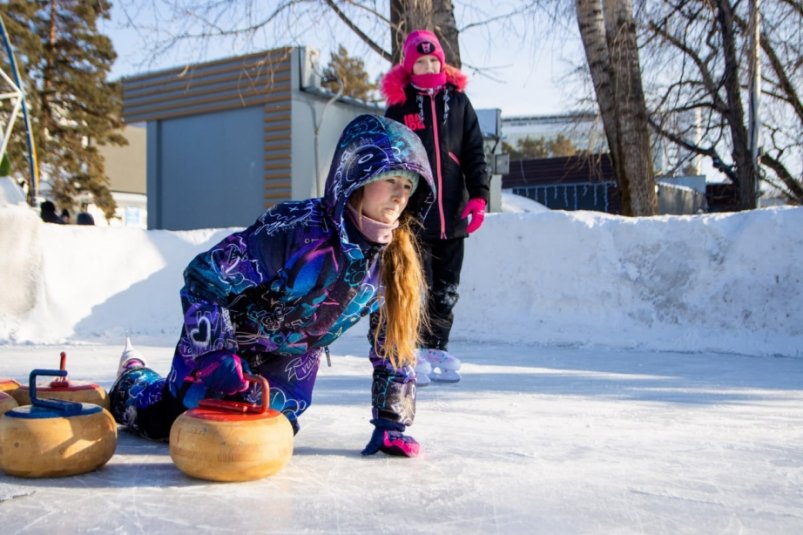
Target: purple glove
222, 371
476, 209
388, 438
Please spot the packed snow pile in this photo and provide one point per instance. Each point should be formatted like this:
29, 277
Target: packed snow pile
717, 282
20, 262
720, 282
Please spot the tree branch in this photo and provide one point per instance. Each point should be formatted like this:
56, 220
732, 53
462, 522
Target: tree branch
373, 12
797, 6
515, 13
707, 80
362, 35
794, 186
784, 83
710, 152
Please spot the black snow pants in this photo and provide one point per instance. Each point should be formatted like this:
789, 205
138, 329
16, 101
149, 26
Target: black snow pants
442, 262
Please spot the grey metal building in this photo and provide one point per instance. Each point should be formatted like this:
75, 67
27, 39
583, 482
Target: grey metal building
229, 138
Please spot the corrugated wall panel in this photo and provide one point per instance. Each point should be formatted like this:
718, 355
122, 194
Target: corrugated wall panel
277, 168
262, 80
252, 80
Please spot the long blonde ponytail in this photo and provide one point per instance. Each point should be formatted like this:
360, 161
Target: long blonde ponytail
403, 312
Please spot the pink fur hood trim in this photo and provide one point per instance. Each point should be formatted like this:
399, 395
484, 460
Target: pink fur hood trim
394, 82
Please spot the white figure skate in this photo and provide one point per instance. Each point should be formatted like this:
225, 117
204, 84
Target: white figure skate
422, 370
131, 358
445, 366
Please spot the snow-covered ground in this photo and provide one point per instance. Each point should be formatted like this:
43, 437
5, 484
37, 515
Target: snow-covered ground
573, 416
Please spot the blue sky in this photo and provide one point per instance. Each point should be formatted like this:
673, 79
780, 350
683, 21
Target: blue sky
527, 58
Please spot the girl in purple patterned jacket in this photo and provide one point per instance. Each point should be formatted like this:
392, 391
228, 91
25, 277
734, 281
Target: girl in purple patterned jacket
270, 299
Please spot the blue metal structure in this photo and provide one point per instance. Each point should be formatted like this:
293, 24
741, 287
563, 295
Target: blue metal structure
33, 163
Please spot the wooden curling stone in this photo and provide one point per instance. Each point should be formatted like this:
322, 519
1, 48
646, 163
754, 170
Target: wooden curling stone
231, 441
9, 386
54, 438
67, 390
6, 403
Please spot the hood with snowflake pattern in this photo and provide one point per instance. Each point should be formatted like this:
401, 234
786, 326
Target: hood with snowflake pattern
371, 145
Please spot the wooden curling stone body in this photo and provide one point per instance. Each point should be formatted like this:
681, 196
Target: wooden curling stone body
9, 386
54, 438
215, 443
65, 389
6, 403
68, 390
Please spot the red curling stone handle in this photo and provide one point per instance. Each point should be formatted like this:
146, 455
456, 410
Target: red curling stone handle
237, 406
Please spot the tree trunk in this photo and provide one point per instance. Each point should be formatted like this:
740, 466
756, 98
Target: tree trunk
592, 32
406, 16
48, 74
610, 44
635, 155
445, 27
746, 176
434, 15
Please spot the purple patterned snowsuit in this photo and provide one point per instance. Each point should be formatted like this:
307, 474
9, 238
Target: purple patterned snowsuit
280, 291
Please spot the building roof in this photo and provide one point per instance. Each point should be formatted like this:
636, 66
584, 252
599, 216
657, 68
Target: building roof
561, 170
561, 118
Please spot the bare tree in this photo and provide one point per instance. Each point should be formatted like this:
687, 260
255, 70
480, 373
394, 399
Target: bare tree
701, 108
608, 32
690, 60
194, 24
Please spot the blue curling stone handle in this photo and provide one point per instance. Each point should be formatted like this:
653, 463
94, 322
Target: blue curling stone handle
50, 408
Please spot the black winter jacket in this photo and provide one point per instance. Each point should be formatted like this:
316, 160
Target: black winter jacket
455, 148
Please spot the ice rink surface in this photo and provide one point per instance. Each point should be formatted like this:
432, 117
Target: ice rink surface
533, 440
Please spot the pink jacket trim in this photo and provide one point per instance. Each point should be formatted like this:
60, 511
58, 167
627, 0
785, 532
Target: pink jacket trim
394, 82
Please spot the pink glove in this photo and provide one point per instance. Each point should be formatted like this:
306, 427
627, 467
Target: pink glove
475, 208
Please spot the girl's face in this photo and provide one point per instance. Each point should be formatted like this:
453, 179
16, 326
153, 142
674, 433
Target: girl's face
384, 200
428, 64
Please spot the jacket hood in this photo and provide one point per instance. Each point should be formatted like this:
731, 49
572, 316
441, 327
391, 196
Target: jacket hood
398, 78
371, 145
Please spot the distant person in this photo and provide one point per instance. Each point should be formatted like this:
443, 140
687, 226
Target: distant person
47, 211
65, 216
270, 299
84, 217
426, 94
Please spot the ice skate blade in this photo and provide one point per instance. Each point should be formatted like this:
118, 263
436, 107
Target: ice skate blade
422, 381
446, 376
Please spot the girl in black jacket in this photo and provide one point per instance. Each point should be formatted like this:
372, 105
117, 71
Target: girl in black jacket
426, 95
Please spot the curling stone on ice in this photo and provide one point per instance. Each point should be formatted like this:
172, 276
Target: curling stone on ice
6, 402
9, 386
66, 389
53, 438
231, 441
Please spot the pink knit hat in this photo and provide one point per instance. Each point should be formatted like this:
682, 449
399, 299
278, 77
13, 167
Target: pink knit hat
421, 43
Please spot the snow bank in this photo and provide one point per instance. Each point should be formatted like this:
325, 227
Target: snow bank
20, 261
723, 282
99, 283
720, 282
